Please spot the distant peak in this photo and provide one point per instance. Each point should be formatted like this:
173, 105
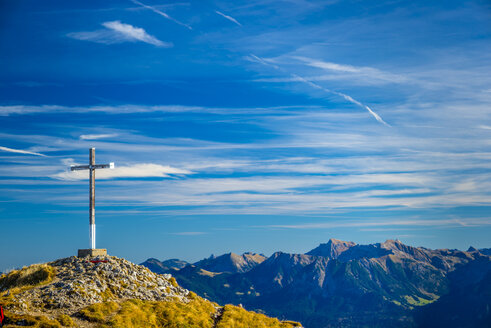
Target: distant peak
472, 249
392, 241
332, 249
335, 241
152, 259
230, 262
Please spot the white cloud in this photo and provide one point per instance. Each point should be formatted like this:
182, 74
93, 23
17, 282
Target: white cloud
134, 33
146, 170
68, 161
20, 151
117, 32
97, 136
230, 18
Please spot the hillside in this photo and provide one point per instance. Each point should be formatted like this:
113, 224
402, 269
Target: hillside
345, 284
112, 292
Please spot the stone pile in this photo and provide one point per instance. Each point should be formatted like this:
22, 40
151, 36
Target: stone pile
80, 282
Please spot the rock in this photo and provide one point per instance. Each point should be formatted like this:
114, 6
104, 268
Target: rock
79, 283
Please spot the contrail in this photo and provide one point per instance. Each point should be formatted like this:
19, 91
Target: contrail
20, 151
316, 86
161, 13
230, 18
262, 61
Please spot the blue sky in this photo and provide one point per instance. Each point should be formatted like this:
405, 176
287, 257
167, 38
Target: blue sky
243, 125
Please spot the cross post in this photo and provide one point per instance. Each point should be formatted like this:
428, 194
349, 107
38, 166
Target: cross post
92, 167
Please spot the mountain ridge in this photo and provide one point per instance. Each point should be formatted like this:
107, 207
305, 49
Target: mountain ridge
337, 282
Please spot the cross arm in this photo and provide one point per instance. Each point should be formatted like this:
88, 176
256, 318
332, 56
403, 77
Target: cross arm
79, 167
92, 167
104, 166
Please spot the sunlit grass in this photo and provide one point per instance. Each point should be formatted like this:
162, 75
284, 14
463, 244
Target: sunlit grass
236, 317
198, 313
31, 276
138, 313
15, 320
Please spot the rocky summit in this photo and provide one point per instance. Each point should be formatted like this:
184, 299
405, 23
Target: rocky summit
112, 292
80, 282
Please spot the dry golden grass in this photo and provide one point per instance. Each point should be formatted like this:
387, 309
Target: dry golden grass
173, 282
11, 321
65, 320
198, 313
236, 317
99, 311
26, 278
137, 313
31, 276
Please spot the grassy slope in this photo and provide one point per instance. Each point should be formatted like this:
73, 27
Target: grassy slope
198, 313
127, 313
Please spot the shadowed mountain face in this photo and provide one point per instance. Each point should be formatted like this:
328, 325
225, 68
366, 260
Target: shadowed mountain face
344, 284
468, 303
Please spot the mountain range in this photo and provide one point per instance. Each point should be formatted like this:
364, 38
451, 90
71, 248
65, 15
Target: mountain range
344, 284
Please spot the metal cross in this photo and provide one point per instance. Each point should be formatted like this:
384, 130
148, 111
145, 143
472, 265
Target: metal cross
92, 167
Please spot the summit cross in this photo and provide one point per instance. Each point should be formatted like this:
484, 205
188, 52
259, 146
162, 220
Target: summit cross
92, 167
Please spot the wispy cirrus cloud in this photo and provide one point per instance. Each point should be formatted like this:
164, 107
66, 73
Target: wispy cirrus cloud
366, 72
118, 32
97, 136
123, 109
230, 18
161, 13
472, 222
146, 170
400, 168
130, 109
20, 151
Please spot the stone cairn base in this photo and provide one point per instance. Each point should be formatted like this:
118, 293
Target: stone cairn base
92, 252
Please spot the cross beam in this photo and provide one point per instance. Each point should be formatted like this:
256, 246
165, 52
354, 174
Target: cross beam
92, 167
